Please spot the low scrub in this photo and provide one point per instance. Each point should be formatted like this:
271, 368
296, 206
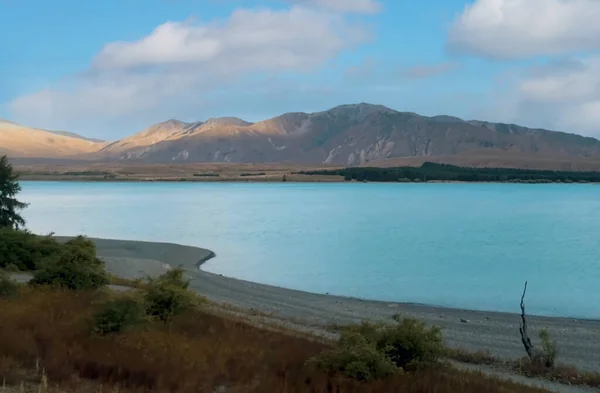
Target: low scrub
22, 250
8, 286
75, 267
355, 357
168, 295
199, 351
119, 314
252, 174
371, 351
549, 351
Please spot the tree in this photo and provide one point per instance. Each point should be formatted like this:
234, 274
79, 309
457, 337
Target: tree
9, 205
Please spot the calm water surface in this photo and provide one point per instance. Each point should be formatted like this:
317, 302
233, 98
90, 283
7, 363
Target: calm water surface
461, 245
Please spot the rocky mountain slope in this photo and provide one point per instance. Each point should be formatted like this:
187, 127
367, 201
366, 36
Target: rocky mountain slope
359, 134
20, 141
345, 135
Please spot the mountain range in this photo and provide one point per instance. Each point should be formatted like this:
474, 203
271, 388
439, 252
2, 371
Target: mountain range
347, 135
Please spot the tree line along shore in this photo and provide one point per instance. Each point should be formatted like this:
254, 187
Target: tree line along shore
443, 172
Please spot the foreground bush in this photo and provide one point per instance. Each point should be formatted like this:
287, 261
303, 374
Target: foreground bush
118, 314
199, 352
74, 267
24, 250
372, 351
411, 344
168, 295
8, 287
549, 349
355, 357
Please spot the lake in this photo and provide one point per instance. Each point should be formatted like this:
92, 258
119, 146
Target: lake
458, 245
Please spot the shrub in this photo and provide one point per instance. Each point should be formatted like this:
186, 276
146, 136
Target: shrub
118, 314
168, 295
11, 268
411, 344
75, 267
83, 244
549, 350
24, 250
355, 357
365, 351
8, 286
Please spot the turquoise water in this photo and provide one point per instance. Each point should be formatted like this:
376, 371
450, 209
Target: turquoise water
460, 245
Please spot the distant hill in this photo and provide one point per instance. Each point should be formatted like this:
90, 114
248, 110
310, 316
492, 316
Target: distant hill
20, 141
73, 135
351, 135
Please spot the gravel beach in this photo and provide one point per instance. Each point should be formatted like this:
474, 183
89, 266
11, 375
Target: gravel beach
498, 333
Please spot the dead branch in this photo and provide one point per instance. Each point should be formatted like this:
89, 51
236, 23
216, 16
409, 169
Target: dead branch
523, 328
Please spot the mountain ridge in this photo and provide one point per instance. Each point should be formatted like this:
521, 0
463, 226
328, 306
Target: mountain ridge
349, 134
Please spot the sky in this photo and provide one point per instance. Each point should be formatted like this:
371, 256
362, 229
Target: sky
110, 68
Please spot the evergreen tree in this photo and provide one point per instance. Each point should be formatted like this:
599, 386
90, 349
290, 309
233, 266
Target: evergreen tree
9, 205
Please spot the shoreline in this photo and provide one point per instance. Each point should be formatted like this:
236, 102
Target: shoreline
471, 330
212, 255
278, 180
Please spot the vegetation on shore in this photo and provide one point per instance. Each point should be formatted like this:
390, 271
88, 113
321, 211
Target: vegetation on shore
160, 336
443, 172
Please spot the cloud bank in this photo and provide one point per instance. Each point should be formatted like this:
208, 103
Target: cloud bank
180, 62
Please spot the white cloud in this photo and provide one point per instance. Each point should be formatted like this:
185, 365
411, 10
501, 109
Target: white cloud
179, 63
354, 6
563, 96
511, 29
296, 39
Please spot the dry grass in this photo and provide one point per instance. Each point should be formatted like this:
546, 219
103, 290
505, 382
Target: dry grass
560, 373
219, 172
199, 351
128, 283
480, 357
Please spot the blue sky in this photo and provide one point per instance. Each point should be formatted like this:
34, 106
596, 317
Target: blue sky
111, 68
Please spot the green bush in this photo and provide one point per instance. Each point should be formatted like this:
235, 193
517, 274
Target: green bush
25, 250
117, 315
168, 295
549, 350
11, 268
8, 286
411, 344
355, 357
75, 267
365, 351
83, 244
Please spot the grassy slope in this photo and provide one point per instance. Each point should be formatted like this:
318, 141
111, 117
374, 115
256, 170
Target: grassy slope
200, 350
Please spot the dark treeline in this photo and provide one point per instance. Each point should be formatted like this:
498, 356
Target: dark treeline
443, 172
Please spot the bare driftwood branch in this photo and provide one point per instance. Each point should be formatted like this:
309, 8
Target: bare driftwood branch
523, 328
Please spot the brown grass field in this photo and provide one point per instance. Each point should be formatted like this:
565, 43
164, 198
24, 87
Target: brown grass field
176, 172
32, 169
46, 346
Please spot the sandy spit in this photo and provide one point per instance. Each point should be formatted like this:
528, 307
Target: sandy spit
498, 333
